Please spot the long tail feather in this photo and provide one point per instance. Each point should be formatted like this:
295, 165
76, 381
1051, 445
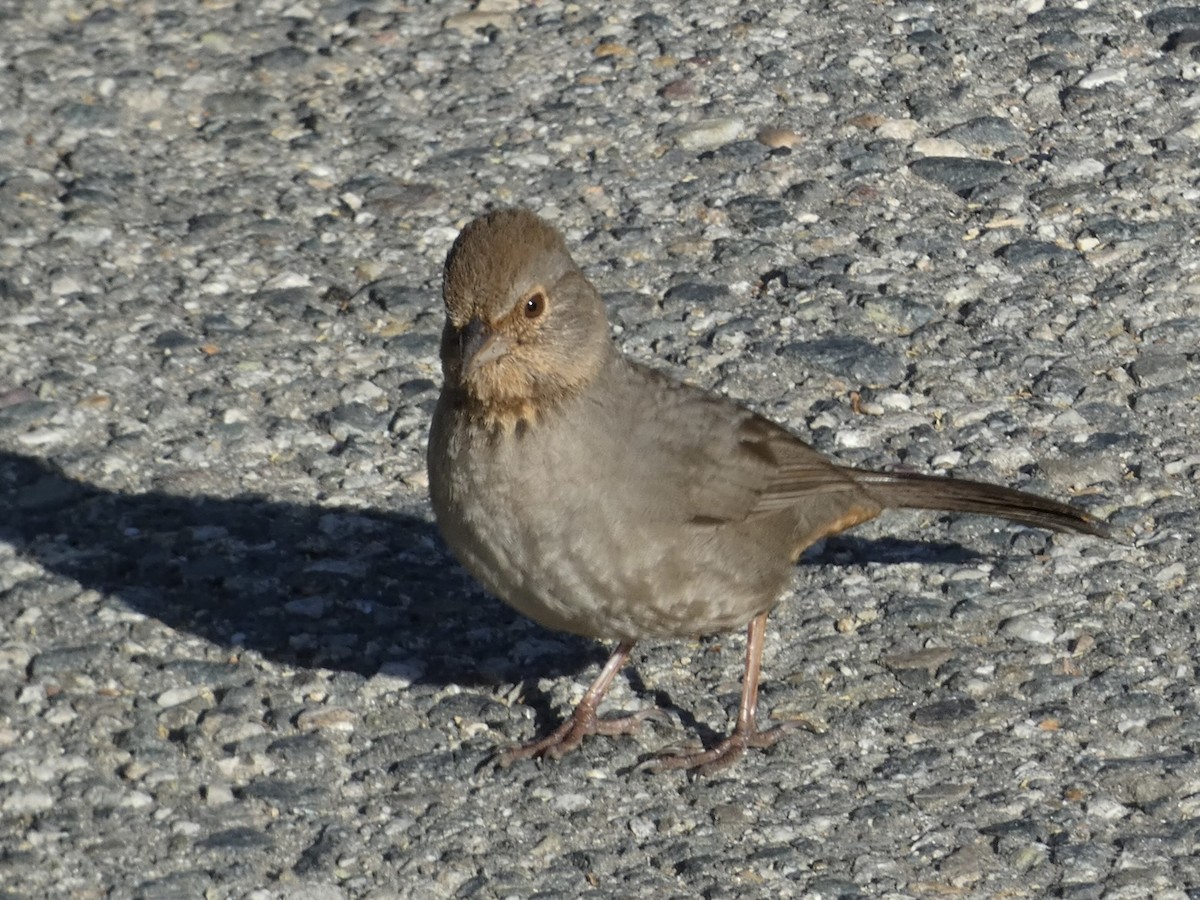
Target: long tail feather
914, 491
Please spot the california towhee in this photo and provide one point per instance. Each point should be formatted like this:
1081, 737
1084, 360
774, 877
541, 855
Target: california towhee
603, 498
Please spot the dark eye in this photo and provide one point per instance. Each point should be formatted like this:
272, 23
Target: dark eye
535, 305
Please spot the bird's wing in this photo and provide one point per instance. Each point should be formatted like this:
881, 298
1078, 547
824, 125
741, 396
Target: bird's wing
758, 468
730, 464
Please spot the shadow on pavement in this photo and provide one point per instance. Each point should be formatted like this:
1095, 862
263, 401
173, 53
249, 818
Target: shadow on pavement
306, 585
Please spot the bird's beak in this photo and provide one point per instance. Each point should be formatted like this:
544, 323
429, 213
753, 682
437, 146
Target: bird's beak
481, 346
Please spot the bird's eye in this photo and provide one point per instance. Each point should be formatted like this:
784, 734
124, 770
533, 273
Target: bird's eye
535, 305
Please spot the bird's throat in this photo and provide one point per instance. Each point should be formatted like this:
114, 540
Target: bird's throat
503, 416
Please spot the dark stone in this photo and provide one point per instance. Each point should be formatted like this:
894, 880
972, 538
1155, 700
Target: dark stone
203, 671
926, 38
1113, 230
653, 23
1184, 330
1158, 369
288, 58
1055, 17
696, 292
207, 222
1183, 41
757, 212
809, 192
286, 794
847, 357
241, 839
86, 115
987, 131
26, 413
834, 887
738, 152
960, 175
775, 63
1062, 39
286, 302
1052, 63
397, 297
945, 712
1173, 19
416, 387
65, 659
300, 749
173, 340
218, 323
1060, 383
1029, 252
322, 854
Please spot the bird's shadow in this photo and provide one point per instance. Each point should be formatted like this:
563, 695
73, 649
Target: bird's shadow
302, 584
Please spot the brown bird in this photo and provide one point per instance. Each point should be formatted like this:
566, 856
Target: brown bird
600, 497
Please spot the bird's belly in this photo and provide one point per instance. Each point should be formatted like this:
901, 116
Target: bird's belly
578, 571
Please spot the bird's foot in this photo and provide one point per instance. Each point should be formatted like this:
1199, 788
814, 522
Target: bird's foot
570, 734
726, 752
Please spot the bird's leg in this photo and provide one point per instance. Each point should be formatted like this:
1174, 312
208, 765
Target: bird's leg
583, 721
745, 733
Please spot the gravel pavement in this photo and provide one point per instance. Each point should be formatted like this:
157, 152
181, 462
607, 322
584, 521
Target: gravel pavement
237, 661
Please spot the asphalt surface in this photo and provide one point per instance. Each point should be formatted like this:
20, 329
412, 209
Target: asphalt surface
237, 661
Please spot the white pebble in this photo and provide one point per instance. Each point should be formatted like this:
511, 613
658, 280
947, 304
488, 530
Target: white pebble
1107, 808
1032, 627
31, 694
175, 696
218, 794
947, 460
1102, 76
64, 285
853, 438
941, 147
39, 437
288, 280
572, 802
897, 129
28, 801
709, 133
894, 401
137, 800
1175, 570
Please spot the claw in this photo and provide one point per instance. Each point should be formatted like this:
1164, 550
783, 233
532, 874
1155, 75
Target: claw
583, 721
725, 753
570, 734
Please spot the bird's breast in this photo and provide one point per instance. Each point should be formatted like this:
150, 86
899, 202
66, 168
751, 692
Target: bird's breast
582, 541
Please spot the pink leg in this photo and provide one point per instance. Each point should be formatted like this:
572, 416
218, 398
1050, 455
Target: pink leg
583, 721
745, 733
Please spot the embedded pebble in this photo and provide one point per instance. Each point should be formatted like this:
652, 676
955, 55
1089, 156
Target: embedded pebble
940, 147
777, 137
709, 133
25, 801
475, 21
1102, 76
327, 718
897, 129
182, 694
1032, 627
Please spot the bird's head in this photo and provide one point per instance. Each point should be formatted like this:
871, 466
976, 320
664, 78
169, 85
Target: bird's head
524, 328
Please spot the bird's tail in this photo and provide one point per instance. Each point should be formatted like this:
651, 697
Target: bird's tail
912, 491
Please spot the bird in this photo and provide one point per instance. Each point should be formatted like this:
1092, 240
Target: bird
601, 497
